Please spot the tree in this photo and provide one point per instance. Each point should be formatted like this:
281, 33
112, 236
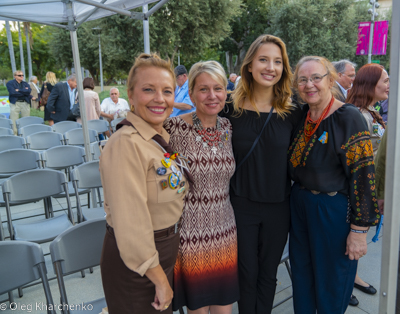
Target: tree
193, 27
251, 23
325, 28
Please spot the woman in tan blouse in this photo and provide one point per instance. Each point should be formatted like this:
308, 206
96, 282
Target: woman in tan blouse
92, 101
144, 188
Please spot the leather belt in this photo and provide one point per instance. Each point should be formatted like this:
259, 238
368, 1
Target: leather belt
20, 101
318, 192
163, 233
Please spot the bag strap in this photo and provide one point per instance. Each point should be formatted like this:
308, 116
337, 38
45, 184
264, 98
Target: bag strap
256, 141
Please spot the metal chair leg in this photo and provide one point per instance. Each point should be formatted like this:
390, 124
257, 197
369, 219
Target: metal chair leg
181, 311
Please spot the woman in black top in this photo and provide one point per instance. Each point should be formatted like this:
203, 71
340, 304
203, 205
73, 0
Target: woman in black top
260, 186
49, 84
333, 198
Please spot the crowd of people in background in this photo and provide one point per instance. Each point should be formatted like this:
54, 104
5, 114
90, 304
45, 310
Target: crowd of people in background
216, 175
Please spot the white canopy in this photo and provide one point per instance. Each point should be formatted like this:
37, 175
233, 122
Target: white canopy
72, 13
52, 12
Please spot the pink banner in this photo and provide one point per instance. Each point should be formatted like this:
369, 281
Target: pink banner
363, 38
380, 37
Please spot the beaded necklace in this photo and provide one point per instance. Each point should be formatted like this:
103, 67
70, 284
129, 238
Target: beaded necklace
210, 139
311, 126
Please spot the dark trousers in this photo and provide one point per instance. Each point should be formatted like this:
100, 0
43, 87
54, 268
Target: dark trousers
262, 230
323, 276
127, 292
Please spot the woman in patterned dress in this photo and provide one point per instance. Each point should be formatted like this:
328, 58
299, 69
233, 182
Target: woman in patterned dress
333, 200
205, 275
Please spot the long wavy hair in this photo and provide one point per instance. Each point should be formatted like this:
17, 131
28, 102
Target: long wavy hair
362, 93
282, 92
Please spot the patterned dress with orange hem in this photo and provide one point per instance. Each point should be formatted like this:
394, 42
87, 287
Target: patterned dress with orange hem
338, 157
206, 268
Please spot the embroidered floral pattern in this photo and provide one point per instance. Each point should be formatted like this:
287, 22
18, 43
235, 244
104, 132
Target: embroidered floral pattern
359, 151
299, 144
360, 190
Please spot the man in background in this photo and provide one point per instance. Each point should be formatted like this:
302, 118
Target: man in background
61, 100
182, 104
35, 91
346, 71
19, 96
114, 106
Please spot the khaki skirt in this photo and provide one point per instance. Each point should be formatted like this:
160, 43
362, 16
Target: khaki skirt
125, 290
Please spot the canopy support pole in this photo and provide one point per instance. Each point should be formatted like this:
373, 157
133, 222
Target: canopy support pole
21, 52
390, 241
90, 14
146, 32
78, 73
28, 50
11, 47
155, 8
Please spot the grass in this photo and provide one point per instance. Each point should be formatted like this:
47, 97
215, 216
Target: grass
37, 113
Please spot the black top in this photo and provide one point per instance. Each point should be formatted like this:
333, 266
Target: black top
49, 88
338, 158
263, 177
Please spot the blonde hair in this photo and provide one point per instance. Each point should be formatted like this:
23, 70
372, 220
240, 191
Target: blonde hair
330, 70
148, 60
282, 91
213, 68
51, 78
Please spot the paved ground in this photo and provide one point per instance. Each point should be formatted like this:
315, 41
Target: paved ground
90, 288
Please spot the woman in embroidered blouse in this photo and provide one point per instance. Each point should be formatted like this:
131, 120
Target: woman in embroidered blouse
370, 86
260, 187
333, 199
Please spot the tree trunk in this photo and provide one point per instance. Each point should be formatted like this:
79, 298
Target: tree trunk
239, 60
229, 62
11, 47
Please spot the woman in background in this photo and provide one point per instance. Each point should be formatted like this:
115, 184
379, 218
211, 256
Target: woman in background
45, 91
370, 86
92, 101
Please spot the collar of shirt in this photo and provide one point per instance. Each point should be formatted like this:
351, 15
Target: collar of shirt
184, 87
71, 95
144, 129
34, 85
344, 91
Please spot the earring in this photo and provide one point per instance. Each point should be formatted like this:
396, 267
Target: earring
132, 108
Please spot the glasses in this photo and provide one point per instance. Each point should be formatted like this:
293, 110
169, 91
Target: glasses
19, 75
351, 76
315, 78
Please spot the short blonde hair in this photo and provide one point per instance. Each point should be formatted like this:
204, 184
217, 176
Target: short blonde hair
212, 68
330, 70
16, 72
282, 89
148, 60
51, 78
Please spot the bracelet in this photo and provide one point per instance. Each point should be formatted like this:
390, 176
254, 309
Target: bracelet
358, 231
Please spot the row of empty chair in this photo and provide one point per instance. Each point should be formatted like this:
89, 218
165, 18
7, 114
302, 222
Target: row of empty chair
74, 250
45, 140
100, 126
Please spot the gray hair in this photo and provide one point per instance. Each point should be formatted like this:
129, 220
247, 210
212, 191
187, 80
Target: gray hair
114, 88
341, 65
72, 77
32, 78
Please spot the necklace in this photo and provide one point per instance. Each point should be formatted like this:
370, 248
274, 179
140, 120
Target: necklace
311, 126
210, 138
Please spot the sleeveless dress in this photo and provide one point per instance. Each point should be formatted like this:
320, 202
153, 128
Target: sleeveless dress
206, 268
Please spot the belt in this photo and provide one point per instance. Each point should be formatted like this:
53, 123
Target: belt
318, 192
163, 233
20, 101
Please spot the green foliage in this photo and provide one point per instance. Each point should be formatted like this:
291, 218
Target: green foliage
5, 74
42, 59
